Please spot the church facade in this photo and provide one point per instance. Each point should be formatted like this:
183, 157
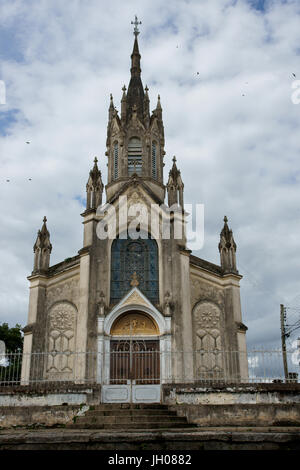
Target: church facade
133, 311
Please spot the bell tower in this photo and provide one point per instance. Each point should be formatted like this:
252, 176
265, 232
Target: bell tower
135, 140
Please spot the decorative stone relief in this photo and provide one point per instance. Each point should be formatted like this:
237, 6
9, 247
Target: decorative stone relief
136, 299
68, 290
204, 291
168, 305
101, 305
133, 324
61, 341
207, 327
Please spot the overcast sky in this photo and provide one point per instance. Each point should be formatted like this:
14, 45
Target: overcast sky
224, 71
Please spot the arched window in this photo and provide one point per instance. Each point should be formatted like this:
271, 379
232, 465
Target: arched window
134, 259
153, 161
116, 158
134, 156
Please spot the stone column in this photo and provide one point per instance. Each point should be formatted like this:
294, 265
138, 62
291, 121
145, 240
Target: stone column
81, 336
100, 350
236, 337
35, 313
186, 320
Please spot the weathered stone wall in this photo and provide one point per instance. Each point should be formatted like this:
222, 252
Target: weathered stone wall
44, 406
231, 394
49, 395
243, 405
240, 414
39, 416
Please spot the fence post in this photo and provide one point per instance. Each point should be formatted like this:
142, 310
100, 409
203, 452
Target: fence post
283, 336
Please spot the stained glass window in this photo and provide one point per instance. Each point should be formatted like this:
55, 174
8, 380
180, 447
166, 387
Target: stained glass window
130, 256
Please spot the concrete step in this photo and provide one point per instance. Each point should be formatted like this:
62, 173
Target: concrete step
129, 416
125, 420
133, 425
130, 412
129, 406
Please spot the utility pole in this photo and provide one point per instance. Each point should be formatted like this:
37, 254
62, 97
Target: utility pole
283, 336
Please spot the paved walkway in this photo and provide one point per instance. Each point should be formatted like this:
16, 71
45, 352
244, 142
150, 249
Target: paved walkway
281, 438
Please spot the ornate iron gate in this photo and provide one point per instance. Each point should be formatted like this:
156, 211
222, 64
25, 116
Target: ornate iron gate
134, 372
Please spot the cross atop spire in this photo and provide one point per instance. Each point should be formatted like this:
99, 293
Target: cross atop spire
136, 23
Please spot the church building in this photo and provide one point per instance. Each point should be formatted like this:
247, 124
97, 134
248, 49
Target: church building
133, 311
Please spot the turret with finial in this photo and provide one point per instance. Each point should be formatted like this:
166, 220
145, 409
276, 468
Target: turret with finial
111, 110
94, 188
123, 104
175, 186
227, 249
42, 250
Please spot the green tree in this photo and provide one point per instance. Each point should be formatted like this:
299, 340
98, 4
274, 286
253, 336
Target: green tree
11, 364
12, 337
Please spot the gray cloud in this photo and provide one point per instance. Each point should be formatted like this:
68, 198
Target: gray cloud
239, 155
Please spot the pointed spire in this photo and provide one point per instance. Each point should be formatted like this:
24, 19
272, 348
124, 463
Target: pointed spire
158, 106
174, 172
42, 249
226, 233
135, 60
175, 185
94, 187
146, 108
123, 104
95, 173
111, 109
158, 110
227, 249
135, 93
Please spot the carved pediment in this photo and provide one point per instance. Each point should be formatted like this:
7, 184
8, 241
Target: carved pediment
135, 298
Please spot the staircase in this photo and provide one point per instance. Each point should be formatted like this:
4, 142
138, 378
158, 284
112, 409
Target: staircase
130, 416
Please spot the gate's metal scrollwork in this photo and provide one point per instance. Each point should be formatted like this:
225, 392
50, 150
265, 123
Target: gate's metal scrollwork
134, 361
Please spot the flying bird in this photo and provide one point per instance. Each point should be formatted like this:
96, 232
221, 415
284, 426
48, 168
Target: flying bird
294, 75
7, 181
27, 142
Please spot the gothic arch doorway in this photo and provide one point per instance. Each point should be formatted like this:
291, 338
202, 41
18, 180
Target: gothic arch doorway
134, 349
134, 359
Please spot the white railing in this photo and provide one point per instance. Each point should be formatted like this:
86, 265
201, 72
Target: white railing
147, 367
